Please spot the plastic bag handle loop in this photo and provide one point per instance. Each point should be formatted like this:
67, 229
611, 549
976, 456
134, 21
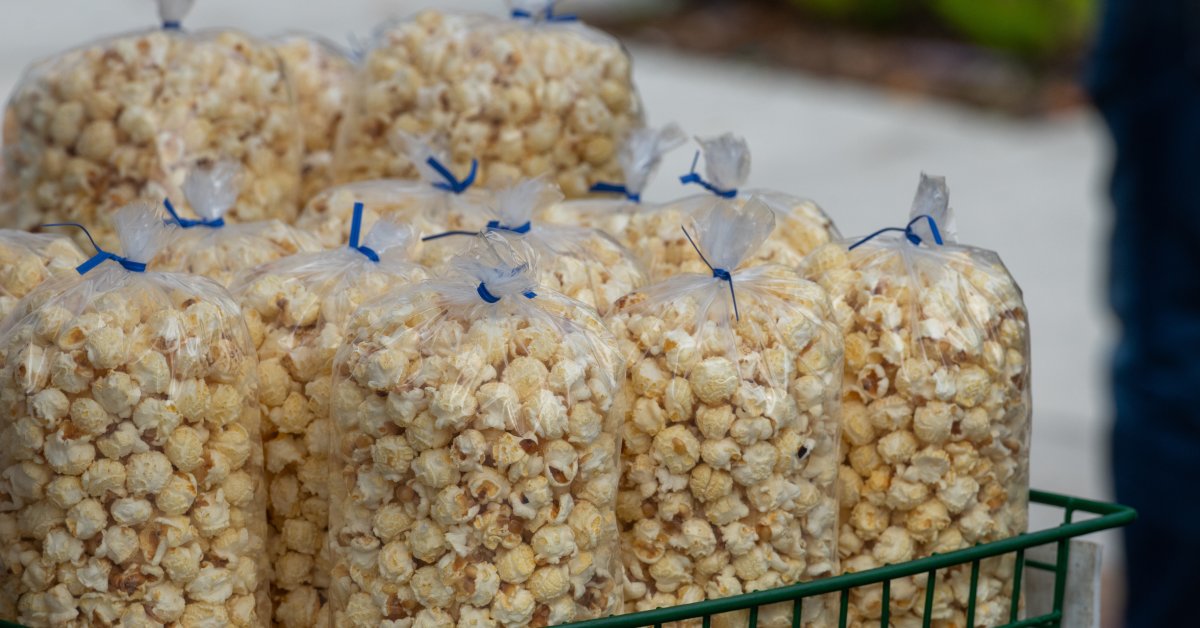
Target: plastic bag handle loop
543, 16
718, 273
188, 223
907, 231
452, 184
101, 255
694, 177
618, 189
356, 230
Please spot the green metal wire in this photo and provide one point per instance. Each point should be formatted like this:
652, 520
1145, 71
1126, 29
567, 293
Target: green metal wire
1108, 516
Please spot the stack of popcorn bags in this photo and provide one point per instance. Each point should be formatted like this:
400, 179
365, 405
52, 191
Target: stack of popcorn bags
534, 93
126, 118
383, 361
132, 462
935, 409
476, 453
297, 309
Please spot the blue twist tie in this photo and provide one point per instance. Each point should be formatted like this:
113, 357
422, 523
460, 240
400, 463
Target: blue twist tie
718, 273
907, 231
101, 255
451, 184
488, 297
188, 223
617, 189
355, 230
492, 225
171, 25
694, 177
546, 16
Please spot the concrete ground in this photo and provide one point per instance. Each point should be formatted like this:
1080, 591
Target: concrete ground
1031, 190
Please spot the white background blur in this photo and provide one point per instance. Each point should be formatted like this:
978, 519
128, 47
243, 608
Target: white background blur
1031, 190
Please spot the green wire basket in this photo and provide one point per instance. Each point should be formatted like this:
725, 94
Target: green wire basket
1109, 516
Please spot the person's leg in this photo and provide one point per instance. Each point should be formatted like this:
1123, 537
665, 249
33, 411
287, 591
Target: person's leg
1146, 86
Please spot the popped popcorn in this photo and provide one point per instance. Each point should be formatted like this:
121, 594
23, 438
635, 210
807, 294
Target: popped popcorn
301, 305
639, 157
937, 406
28, 259
652, 232
115, 494
584, 264
424, 204
320, 75
124, 119
525, 96
210, 248
746, 467
497, 507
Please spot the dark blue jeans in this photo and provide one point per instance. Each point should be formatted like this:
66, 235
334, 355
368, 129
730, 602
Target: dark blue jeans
1145, 82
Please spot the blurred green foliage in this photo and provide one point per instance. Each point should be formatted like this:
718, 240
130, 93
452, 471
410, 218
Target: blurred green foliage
1029, 28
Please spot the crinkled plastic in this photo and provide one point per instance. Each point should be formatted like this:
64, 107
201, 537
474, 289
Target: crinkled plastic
584, 264
28, 259
653, 232
477, 454
730, 433
131, 486
216, 250
125, 118
322, 75
935, 412
424, 204
639, 157
297, 309
526, 96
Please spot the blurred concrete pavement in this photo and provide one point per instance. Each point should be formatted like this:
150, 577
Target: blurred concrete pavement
1031, 190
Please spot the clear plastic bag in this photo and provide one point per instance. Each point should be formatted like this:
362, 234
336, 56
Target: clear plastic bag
533, 94
730, 434
935, 409
28, 259
131, 487
584, 264
639, 158
297, 310
211, 248
477, 451
653, 233
321, 74
125, 118
424, 204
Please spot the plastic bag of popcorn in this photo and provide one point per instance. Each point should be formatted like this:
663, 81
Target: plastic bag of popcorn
131, 487
639, 157
424, 204
28, 259
935, 409
730, 434
653, 233
584, 264
211, 248
125, 118
297, 309
476, 468
531, 94
321, 74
